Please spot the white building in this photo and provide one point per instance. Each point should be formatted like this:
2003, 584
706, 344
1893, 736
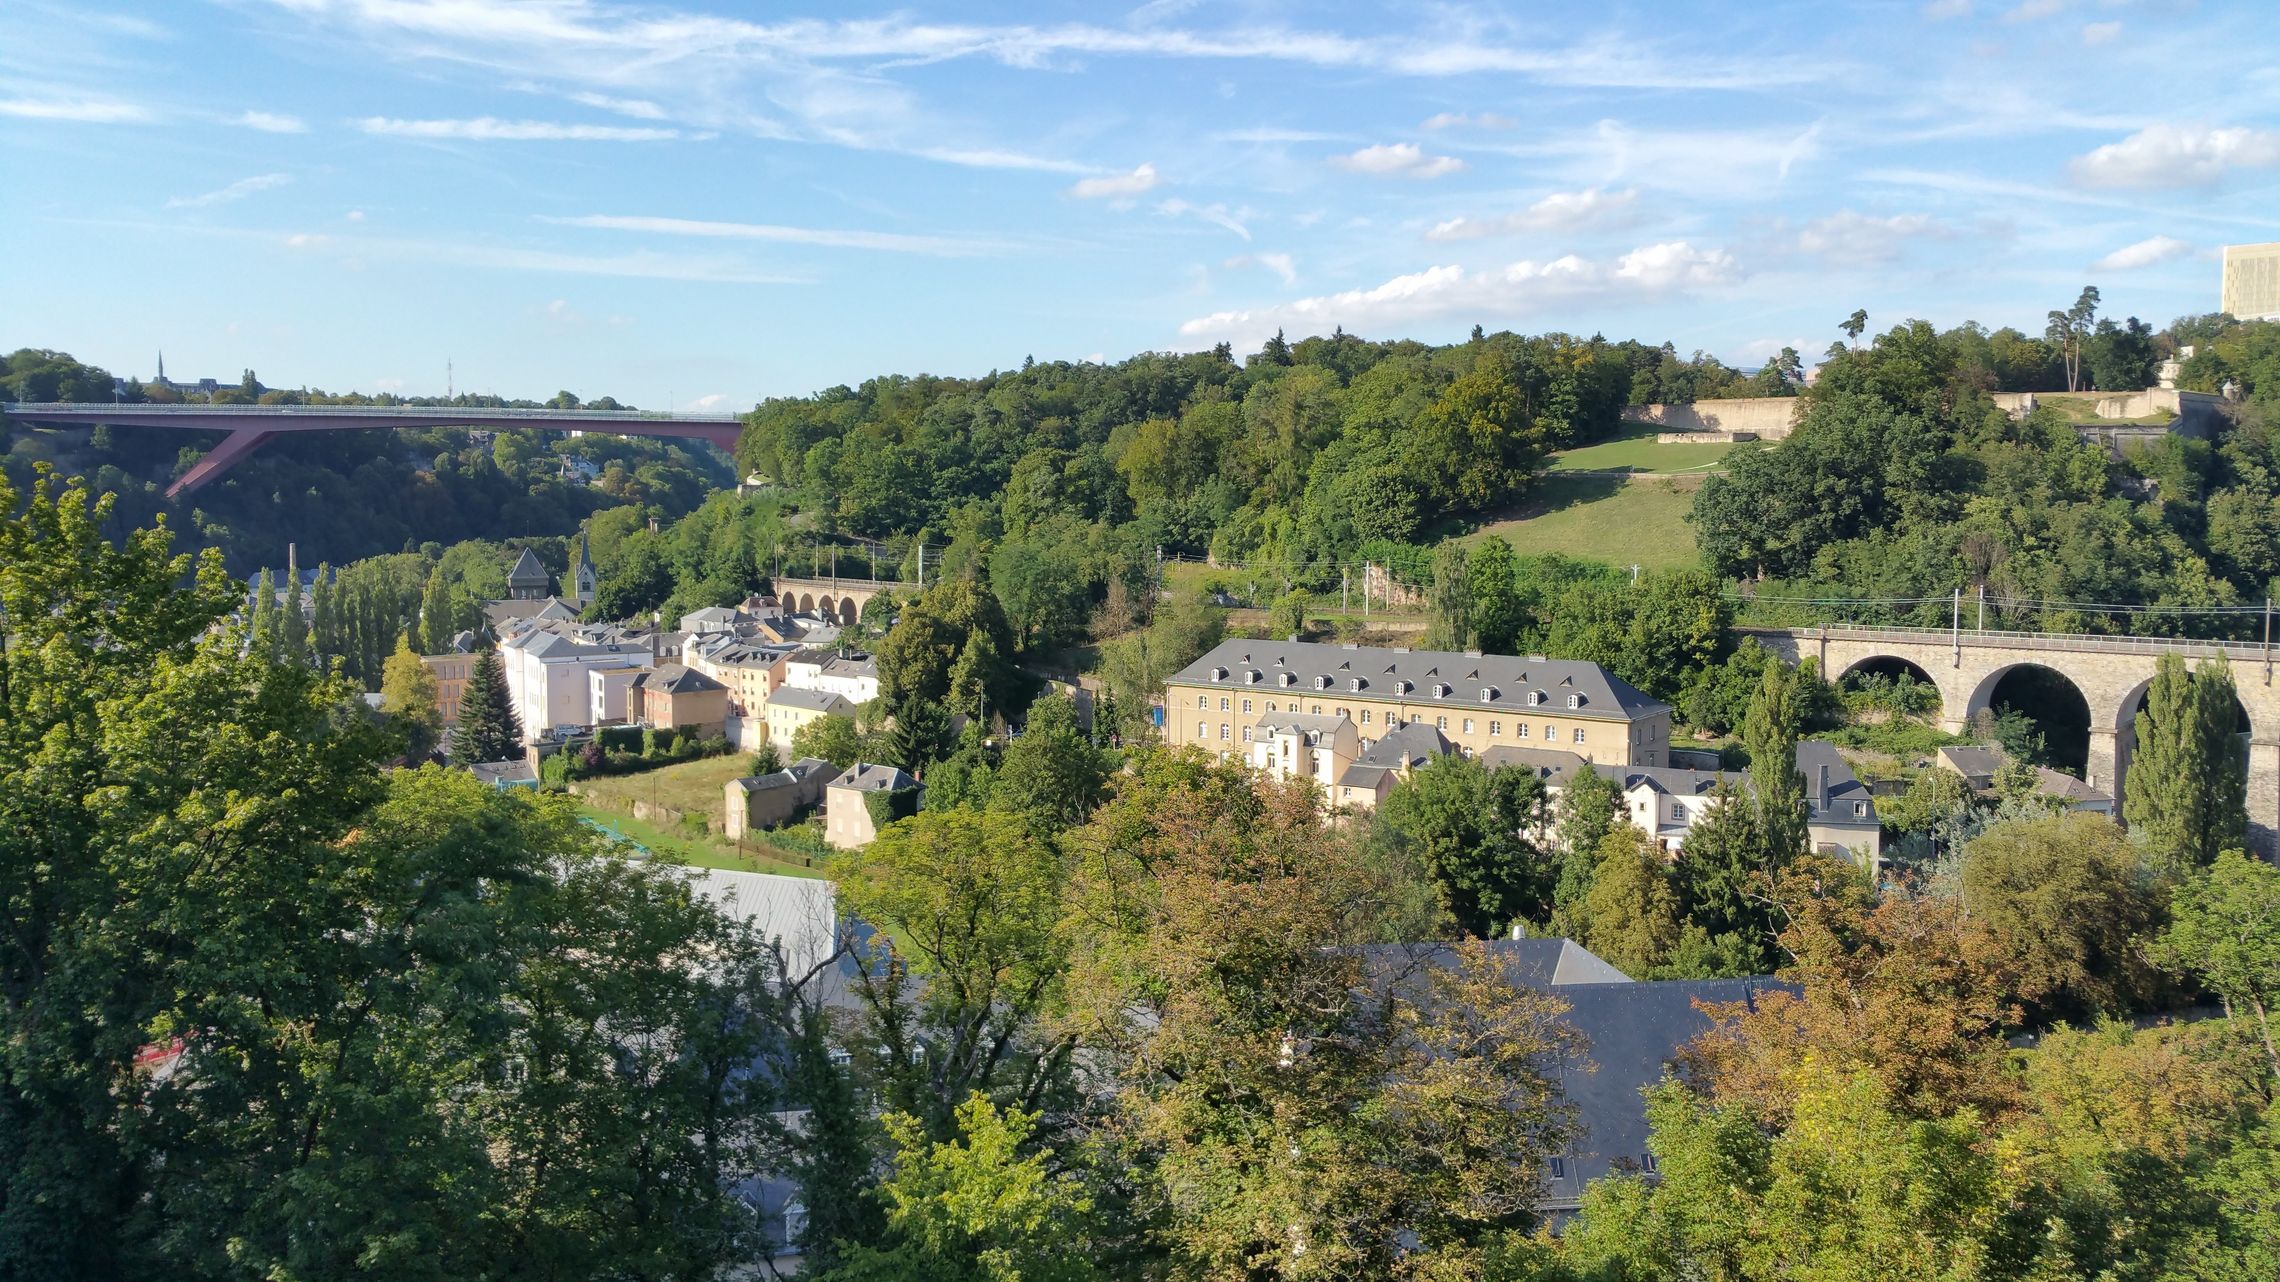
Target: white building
850, 674
549, 668
1298, 745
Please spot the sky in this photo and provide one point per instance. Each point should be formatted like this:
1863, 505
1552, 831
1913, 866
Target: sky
690, 205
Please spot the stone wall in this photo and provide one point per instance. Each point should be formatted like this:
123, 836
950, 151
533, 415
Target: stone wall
1768, 418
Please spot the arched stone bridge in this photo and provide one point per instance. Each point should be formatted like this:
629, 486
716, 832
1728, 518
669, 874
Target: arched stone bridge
841, 599
2110, 672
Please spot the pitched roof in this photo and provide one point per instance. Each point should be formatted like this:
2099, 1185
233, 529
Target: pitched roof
527, 572
867, 777
1304, 723
811, 701
1409, 747
1423, 676
800, 911
677, 678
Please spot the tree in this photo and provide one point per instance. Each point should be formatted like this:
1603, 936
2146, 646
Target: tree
978, 899
1469, 828
407, 695
833, 739
1450, 599
1051, 773
1723, 871
974, 1208
1288, 618
488, 728
292, 625
972, 677
1855, 325
1588, 811
2186, 794
1629, 917
262, 623
2067, 329
2225, 931
2065, 902
919, 737
1769, 734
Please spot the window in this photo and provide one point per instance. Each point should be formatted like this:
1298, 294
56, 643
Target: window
1318, 709
1246, 705
1199, 729
1468, 725
1519, 729
1557, 1167
1223, 703
1203, 701
1440, 723
1495, 729
1222, 732
1575, 700
1365, 716
1270, 705
1579, 734
1860, 808
1677, 812
1246, 734
1551, 734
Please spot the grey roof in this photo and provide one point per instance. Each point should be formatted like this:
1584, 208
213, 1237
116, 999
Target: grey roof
1409, 747
1307, 723
555, 639
798, 772
857, 665
1969, 761
713, 618
1554, 766
811, 700
1444, 677
874, 778
527, 572
677, 678
1812, 754
1984, 763
501, 612
800, 911
503, 772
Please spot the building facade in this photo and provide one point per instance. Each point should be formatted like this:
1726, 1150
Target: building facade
848, 822
549, 665
1476, 701
676, 696
790, 708
452, 673
2250, 287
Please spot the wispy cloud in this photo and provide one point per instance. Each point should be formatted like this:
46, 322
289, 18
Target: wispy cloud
2100, 33
829, 237
641, 265
1464, 120
1849, 236
85, 111
1592, 207
1398, 160
1280, 264
638, 108
1440, 294
491, 129
1218, 215
238, 190
1116, 186
270, 122
2177, 156
2145, 253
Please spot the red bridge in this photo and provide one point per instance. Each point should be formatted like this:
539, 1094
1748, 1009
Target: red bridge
249, 425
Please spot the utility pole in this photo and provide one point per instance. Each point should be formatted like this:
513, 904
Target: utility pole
922, 565
2268, 640
1955, 627
1345, 589
1367, 566
1982, 608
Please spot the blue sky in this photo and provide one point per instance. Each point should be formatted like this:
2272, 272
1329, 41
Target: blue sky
709, 203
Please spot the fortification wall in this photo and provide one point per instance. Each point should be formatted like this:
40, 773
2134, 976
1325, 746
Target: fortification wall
1768, 418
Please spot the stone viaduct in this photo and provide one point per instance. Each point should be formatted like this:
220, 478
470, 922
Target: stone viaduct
2111, 673
841, 599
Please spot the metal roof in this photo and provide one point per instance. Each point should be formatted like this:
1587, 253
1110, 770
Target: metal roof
1496, 681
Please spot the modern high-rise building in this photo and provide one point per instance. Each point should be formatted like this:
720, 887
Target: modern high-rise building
2251, 286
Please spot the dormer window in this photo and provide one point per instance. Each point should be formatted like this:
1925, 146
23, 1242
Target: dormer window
1356, 684
1488, 694
1402, 687
1535, 697
1575, 700
1322, 682
1252, 677
1441, 690
1219, 674
1290, 678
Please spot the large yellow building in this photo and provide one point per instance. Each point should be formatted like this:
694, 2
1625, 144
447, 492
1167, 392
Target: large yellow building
2250, 286
1479, 701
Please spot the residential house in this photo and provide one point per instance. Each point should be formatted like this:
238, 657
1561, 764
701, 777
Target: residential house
710, 620
1297, 745
1385, 764
848, 821
851, 674
497, 615
451, 673
1979, 767
548, 665
678, 696
790, 708
1476, 701
764, 801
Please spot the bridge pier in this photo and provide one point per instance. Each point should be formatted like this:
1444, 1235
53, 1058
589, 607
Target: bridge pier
2264, 797
2107, 762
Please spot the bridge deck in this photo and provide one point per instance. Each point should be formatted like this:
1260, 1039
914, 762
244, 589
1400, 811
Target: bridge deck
2048, 642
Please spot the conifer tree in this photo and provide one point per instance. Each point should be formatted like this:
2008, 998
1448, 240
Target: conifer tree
488, 728
292, 625
1769, 732
2186, 795
436, 623
324, 632
261, 630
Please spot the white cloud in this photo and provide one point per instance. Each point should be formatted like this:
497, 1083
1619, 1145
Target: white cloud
710, 400
85, 111
1942, 10
1116, 186
1280, 264
829, 237
641, 265
2099, 33
307, 240
638, 108
270, 122
2145, 253
2035, 10
388, 384
491, 129
1464, 120
1454, 293
2176, 156
1560, 211
355, 215
1853, 237
238, 190
1218, 215
1397, 160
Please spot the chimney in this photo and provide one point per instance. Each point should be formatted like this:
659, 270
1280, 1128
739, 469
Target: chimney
1823, 795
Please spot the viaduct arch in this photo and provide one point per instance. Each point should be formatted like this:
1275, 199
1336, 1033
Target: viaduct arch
2111, 673
841, 599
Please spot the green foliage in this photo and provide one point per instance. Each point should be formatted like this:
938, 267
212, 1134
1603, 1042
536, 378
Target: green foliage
1587, 812
1769, 735
834, 739
1630, 915
407, 696
2067, 904
2225, 932
1724, 870
488, 729
1051, 774
1470, 829
2186, 794
1288, 617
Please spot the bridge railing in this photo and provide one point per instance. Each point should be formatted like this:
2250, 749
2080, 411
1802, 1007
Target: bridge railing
2079, 643
92, 409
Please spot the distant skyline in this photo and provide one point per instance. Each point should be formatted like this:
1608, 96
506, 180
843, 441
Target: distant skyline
704, 204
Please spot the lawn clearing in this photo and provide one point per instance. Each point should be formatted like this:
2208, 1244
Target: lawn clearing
1638, 522
1638, 452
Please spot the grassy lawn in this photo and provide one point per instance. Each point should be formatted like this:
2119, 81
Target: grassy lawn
1638, 451
692, 787
702, 852
1629, 522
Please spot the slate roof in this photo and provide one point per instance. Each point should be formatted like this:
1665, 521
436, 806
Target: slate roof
1422, 677
1411, 746
527, 572
811, 701
499, 613
797, 773
677, 678
874, 778
1556, 766
500, 773
803, 912
1309, 724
